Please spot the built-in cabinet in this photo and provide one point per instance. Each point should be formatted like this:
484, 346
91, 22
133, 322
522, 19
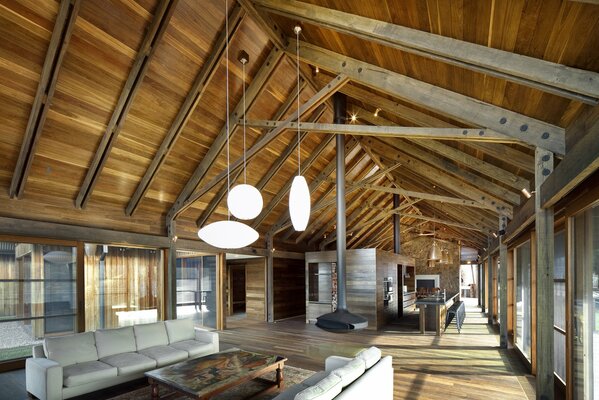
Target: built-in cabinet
375, 283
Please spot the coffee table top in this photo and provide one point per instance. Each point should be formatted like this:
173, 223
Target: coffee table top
215, 372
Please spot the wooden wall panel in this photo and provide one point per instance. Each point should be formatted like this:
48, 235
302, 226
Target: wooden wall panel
255, 288
289, 281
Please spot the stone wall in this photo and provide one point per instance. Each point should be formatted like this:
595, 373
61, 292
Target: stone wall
449, 273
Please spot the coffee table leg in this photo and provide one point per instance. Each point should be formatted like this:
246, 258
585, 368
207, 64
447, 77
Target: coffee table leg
154, 386
280, 379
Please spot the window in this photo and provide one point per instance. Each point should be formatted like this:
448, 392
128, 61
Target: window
585, 305
559, 301
38, 292
196, 288
523, 299
123, 286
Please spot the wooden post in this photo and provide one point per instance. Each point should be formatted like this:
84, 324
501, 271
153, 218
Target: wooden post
221, 267
490, 271
396, 231
503, 281
269, 280
171, 282
544, 220
482, 286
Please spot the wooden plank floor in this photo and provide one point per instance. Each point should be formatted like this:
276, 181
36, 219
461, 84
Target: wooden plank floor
466, 365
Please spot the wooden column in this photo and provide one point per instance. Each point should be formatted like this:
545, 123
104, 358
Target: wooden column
503, 284
171, 281
490, 271
270, 308
221, 267
396, 225
544, 220
482, 286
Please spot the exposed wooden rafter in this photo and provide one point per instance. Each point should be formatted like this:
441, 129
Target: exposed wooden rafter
187, 108
442, 101
315, 101
59, 42
554, 78
162, 17
217, 145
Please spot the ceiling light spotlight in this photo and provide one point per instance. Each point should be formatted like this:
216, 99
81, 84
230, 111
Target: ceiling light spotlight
527, 193
316, 69
494, 235
353, 117
376, 112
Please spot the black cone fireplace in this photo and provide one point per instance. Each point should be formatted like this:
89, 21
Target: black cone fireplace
341, 320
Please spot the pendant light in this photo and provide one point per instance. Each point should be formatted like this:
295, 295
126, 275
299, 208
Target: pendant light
299, 195
244, 201
434, 253
444, 256
228, 234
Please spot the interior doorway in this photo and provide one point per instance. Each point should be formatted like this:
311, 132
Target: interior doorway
469, 281
236, 295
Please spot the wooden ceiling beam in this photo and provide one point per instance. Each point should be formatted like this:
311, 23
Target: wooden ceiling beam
580, 162
59, 42
497, 191
203, 78
457, 106
392, 131
467, 160
216, 200
154, 34
561, 80
315, 101
442, 179
252, 92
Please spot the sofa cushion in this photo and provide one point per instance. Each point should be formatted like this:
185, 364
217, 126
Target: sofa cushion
350, 371
164, 355
314, 379
326, 389
150, 335
130, 363
179, 330
194, 348
87, 372
71, 349
370, 356
115, 341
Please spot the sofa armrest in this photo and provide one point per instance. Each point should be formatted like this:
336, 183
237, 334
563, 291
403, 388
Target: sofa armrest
38, 351
202, 335
43, 378
334, 362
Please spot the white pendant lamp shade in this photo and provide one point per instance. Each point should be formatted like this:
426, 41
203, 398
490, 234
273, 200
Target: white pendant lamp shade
228, 234
299, 203
245, 201
59, 257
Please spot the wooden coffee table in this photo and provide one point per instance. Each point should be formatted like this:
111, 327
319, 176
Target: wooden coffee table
204, 377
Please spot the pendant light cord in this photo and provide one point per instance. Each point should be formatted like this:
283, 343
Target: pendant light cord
243, 83
299, 166
227, 107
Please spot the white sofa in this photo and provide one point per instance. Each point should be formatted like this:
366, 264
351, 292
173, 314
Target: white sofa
366, 376
69, 366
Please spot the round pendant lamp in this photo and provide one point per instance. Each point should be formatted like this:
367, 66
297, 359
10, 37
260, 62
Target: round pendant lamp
244, 200
228, 234
299, 203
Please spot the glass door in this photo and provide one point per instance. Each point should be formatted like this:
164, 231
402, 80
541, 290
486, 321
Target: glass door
585, 305
196, 288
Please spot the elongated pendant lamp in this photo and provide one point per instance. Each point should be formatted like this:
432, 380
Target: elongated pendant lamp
299, 195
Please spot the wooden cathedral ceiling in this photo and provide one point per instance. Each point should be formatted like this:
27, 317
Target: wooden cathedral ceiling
113, 111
